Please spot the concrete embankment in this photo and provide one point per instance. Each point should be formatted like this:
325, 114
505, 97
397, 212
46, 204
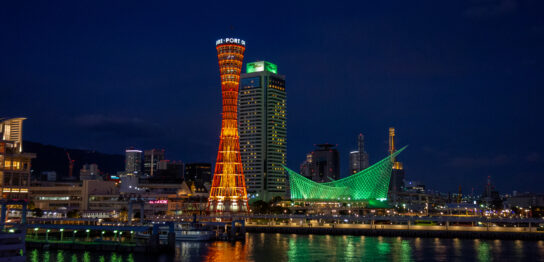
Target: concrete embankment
386, 232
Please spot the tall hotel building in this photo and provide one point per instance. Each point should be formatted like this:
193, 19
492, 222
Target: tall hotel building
263, 130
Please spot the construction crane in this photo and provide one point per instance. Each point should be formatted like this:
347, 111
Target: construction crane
71, 165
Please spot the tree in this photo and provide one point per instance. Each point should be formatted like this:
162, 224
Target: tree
260, 207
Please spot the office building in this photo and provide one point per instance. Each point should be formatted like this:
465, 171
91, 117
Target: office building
358, 159
151, 159
168, 172
89, 172
133, 161
14, 163
48, 176
262, 124
201, 172
322, 165
396, 184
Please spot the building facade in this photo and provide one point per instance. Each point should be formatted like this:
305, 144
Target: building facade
358, 159
262, 124
152, 158
201, 172
14, 163
323, 164
89, 172
396, 184
133, 161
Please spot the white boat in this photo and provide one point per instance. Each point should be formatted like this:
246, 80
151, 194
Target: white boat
183, 233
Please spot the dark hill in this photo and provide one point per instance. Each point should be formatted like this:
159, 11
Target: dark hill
53, 158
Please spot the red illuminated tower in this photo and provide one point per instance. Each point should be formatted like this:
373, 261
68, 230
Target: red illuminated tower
228, 192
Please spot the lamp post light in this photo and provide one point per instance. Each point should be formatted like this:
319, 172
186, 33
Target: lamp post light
74, 235
114, 235
131, 235
61, 234
102, 235
36, 232
87, 233
47, 234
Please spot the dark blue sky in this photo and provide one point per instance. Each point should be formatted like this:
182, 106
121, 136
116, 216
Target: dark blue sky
460, 80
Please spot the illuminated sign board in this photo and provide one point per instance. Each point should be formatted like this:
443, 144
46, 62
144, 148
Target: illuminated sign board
230, 41
158, 202
261, 66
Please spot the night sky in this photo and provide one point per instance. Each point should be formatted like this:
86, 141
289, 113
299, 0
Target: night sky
460, 80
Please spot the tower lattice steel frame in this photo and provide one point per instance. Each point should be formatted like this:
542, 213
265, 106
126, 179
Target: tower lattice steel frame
228, 192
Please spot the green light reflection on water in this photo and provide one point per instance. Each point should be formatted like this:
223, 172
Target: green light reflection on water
86, 257
405, 251
34, 256
130, 258
74, 258
350, 248
384, 248
483, 251
60, 256
46, 256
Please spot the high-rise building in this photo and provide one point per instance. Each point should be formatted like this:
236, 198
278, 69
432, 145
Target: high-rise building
133, 161
228, 192
198, 172
151, 159
14, 163
89, 172
262, 123
358, 159
323, 164
396, 183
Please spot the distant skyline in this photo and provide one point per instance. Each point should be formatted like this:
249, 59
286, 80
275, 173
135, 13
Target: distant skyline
461, 81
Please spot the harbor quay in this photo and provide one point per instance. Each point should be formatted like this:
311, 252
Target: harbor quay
94, 230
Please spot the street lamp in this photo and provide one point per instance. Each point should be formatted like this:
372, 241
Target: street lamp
87, 230
61, 234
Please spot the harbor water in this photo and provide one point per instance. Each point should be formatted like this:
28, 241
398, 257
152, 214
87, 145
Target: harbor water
291, 247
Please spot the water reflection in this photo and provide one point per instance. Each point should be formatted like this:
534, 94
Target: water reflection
283, 247
483, 251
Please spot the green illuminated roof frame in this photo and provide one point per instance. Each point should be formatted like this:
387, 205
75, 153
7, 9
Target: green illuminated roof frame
261, 66
370, 184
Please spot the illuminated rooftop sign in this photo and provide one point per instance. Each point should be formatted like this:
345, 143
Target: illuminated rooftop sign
230, 41
261, 66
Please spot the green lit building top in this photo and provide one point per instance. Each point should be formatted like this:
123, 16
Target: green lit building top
261, 66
